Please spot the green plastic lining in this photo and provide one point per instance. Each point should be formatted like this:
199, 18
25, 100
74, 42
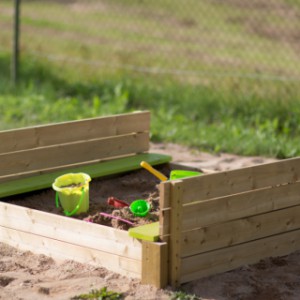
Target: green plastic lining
101, 169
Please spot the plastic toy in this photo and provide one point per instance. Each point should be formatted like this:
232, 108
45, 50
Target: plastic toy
175, 174
140, 208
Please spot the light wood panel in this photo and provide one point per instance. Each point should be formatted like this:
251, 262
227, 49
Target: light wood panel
164, 214
63, 250
69, 230
224, 216
229, 258
223, 235
240, 205
155, 264
241, 180
64, 154
68, 132
175, 233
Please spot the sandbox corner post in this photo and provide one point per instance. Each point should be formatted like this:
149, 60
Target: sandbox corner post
175, 233
164, 210
155, 255
155, 264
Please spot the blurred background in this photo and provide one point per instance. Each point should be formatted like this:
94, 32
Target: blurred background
220, 76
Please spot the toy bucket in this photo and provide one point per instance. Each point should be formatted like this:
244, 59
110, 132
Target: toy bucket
72, 191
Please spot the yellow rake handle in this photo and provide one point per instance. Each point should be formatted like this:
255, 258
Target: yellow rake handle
156, 173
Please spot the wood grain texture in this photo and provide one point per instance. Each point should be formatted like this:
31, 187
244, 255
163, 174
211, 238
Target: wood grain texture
155, 264
70, 153
239, 231
164, 214
175, 233
240, 180
225, 259
63, 250
68, 132
204, 213
69, 230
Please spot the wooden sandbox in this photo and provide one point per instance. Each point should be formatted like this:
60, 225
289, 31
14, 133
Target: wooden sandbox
208, 224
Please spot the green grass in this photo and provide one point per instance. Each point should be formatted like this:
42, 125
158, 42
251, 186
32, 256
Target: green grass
101, 294
181, 295
251, 122
43, 98
216, 76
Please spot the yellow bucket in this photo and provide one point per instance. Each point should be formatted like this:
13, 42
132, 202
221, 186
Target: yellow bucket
72, 191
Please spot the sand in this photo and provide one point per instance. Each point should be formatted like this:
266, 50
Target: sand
25, 275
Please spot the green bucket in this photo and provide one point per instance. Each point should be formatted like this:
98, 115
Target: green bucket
140, 208
72, 192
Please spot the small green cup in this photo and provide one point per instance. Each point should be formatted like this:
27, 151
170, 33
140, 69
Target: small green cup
140, 208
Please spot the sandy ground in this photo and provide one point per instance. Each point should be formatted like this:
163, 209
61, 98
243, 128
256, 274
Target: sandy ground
25, 275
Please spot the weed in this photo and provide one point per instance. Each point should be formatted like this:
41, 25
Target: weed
180, 295
101, 294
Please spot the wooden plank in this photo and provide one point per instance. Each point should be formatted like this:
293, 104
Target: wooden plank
67, 132
241, 180
63, 250
229, 258
239, 231
155, 264
101, 169
63, 154
175, 233
164, 214
69, 230
133, 122
241, 205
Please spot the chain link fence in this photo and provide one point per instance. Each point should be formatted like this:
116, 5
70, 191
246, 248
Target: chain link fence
193, 40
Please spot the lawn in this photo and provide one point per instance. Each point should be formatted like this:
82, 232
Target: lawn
216, 76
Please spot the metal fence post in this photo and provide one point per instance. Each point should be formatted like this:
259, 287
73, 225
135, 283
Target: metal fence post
15, 50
